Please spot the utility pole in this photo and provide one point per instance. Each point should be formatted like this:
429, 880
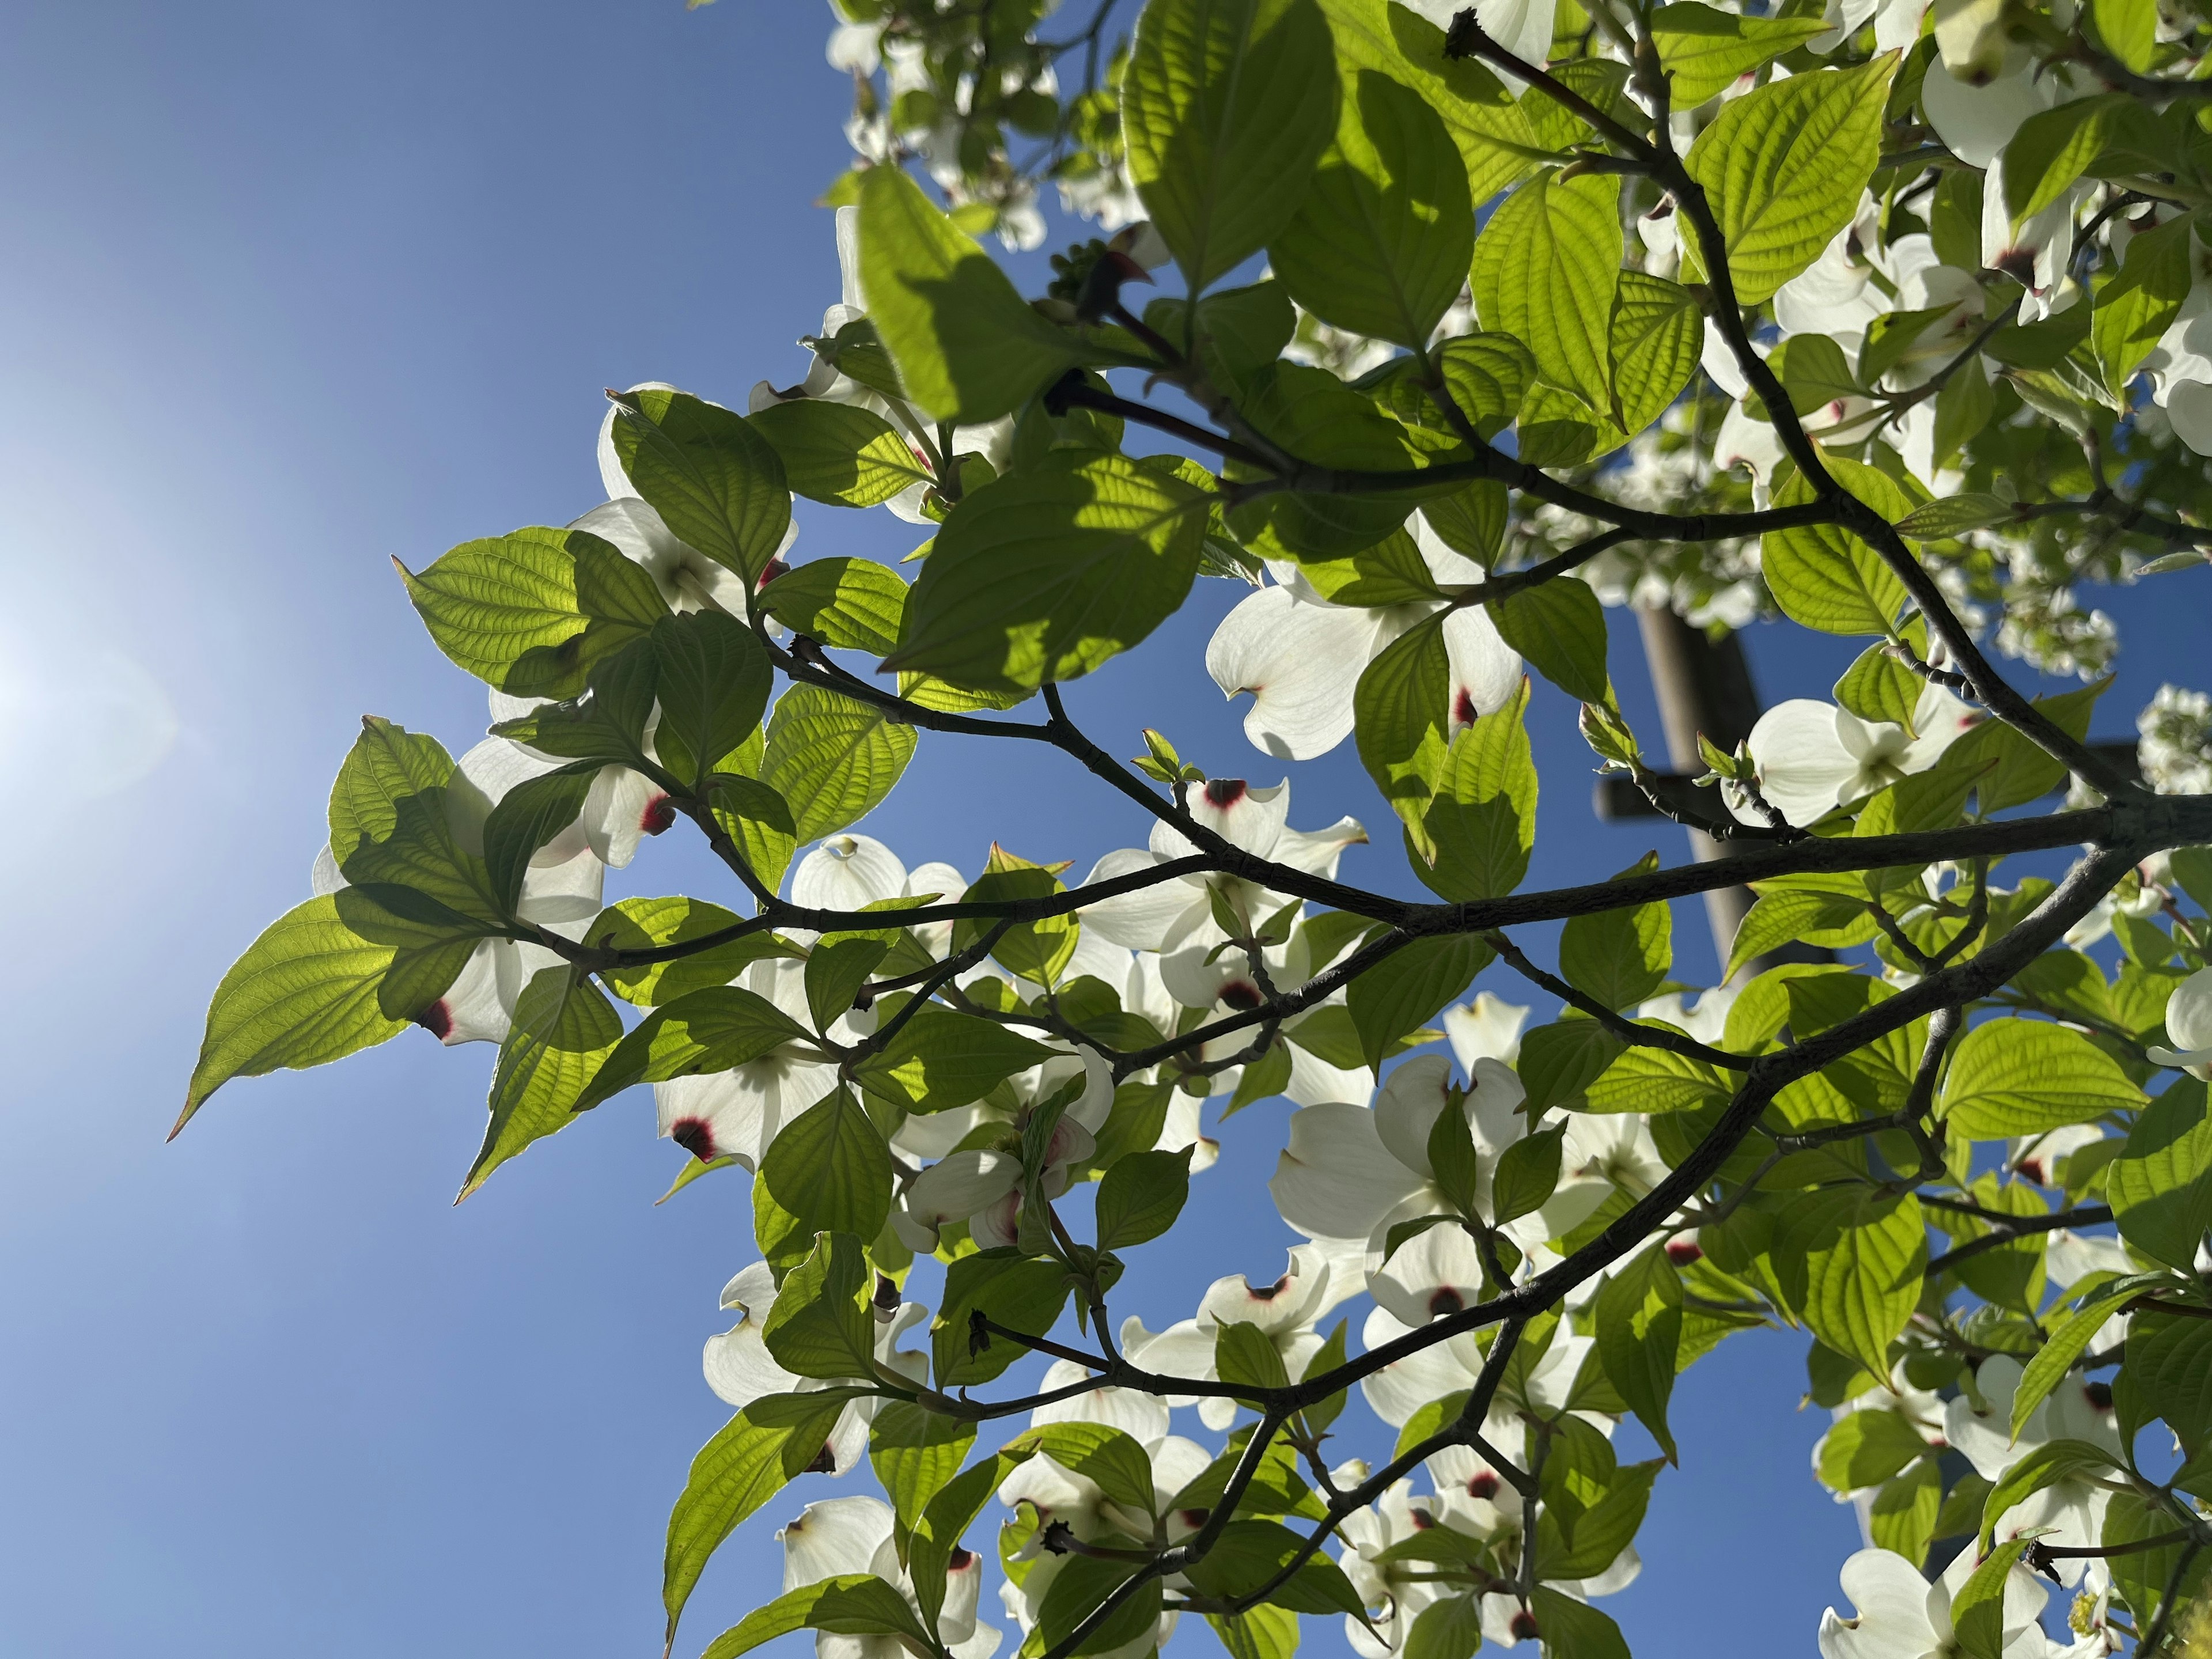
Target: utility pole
1702, 685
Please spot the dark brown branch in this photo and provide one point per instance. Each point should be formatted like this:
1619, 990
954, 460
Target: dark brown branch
1637, 1036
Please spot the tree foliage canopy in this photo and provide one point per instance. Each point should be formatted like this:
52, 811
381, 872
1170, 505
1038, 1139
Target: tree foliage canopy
1893, 320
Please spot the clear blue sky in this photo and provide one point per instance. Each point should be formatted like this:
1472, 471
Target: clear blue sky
292, 289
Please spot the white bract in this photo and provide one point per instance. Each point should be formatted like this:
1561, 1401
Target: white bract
840, 1536
1898, 1614
1176, 917
741, 1369
1285, 1312
1301, 657
1812, 756
1351, 1174
2188, 1023
982, 1186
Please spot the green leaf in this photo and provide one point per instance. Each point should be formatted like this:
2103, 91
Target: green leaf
1226, 106
1248, 1554
644, 924
1703, 49
941, 1059
1108, 1458
1382, 243
1951, 515
1527, 1175
1978, 1611
1259, 1632
1239, 331
1410, 987
532, 612
2137, 307
1823, 575
2019, 1077
1620, 956
2169, 1369
1782, 166
2054, 147
832, 758
950, 1514
1656, 1080
1494, 137
754, 1455
1079, 1589
1572, 1629
1880, 687
714, 481
1140, 1197
1546, 268
840, 453
1639, 1334
387, 764
820, 1325
1658, 331
836, 971
1890, 336
303, 995
1966, 404
1449, 1629
1813, 371
564, 1029
968, 348
1246, 1354
1390, 573
1902, 1518
757, 818
1558, 1062
525, 819
1481, 821
714, 681
852, 1604
1046, 574
2024, 772
1402, 721
712, 1028
828, 1171
1560, 627
2067, 1343
2129, 29
1851, 1263
2046, 1466
855, 603
1023, 1293
2160, 1188
1865, 1448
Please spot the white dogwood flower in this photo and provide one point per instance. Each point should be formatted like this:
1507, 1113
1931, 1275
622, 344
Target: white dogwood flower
1301, 656
1898, 1614
983, 1185
1175, 917
1352, 1173
1813, 757
2189, 1023
840, 1536
740, 1369
1285, 1312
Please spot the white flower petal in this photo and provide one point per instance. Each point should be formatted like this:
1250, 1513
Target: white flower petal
1485, 671
1147, 918
849, 873
1337, 1179
836, 1536
1803, 765
1301, 660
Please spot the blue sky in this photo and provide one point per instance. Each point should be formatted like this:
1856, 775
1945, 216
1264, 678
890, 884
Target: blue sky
292, 290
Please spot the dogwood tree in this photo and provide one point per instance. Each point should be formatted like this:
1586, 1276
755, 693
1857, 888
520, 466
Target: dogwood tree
1897, 322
